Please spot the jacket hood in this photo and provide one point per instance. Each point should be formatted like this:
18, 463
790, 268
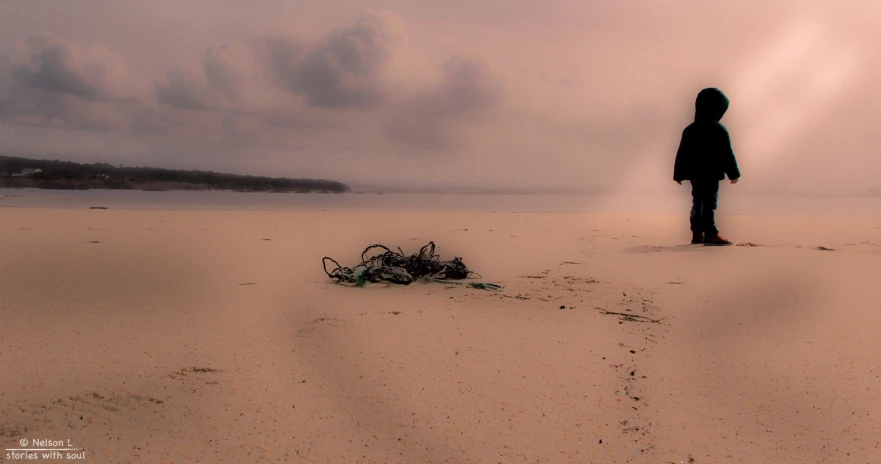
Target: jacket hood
711, 105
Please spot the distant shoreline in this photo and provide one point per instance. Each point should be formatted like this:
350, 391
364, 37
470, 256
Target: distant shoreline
185, 188
67, 175
460, 192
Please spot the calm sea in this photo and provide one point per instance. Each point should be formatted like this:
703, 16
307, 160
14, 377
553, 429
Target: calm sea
730, 203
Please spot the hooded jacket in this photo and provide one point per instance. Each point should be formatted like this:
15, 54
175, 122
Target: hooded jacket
705, 150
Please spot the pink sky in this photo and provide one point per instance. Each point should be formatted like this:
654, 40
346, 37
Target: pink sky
520, 93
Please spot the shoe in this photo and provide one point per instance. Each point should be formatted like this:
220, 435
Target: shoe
697, 237
716, 240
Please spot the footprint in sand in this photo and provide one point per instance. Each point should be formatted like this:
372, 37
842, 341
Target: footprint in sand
114, 415
193, 372
75, 412
751, 245
13, 431
312, 328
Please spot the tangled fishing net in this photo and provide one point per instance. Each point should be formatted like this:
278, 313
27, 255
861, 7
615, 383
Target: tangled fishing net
396, 267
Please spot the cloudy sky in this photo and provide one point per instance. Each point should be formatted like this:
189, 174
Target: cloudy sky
494, 92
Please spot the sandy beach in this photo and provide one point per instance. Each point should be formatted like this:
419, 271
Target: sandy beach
215, 336
172, 174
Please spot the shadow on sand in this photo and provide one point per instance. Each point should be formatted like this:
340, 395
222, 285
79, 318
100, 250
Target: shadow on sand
660, 248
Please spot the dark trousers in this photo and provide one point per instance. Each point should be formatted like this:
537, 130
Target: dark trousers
705, 197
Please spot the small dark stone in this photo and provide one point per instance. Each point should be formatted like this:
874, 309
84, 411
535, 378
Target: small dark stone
632, 373
634, 352
562, 307
601, 442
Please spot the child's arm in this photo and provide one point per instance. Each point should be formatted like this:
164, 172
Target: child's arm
728, 158
679, 165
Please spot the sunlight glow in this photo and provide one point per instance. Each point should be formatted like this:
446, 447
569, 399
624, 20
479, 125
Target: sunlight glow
787, 86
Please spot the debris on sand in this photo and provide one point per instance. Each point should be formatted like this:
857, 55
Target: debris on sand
396, 267
630, 317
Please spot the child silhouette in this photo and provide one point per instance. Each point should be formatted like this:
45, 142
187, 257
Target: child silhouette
704, 158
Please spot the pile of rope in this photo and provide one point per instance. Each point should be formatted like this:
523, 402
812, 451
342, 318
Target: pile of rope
396, 267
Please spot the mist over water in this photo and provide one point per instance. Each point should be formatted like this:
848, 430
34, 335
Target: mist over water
731, 202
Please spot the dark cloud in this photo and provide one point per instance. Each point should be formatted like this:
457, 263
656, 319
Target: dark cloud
42, 109
55, 73
49, 82
343, 71
58, 83
215, 86
220, 72
181, 89
469, 89
283, 54
50, 64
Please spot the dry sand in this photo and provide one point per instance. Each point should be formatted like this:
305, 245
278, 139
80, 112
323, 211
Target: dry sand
133, 334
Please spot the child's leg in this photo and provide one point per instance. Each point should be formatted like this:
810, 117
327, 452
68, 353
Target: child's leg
696, 217
709, 201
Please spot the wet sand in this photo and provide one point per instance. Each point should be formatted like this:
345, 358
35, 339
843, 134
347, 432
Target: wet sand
214, 336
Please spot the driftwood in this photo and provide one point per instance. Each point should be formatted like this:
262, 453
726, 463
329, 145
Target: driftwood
630, 317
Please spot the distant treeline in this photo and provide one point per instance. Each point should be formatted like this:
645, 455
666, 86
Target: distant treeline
77, 176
